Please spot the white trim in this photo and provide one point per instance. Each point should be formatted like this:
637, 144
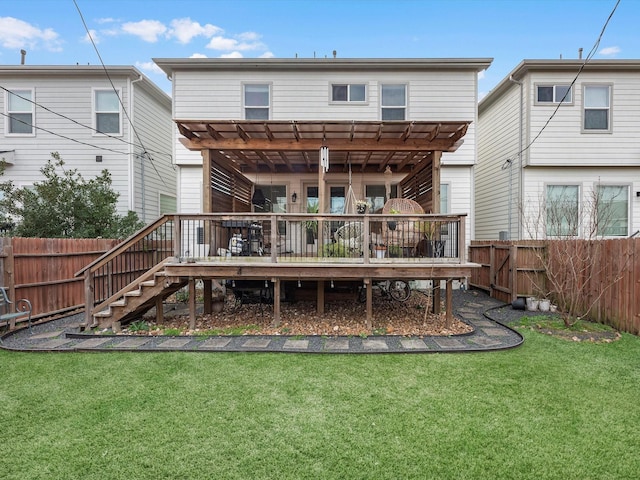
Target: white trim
20, 92
94, 112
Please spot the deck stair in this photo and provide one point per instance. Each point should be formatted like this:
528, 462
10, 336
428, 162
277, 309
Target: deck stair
137, 298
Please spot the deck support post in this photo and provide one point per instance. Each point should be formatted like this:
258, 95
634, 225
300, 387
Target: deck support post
369, 304
192, 303
159, 311
276, 302
320, 300
449, 303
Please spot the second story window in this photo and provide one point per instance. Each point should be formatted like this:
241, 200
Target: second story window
343, 92
554, 94
256, 101
107, 112
20, 112
394, 102
597, 111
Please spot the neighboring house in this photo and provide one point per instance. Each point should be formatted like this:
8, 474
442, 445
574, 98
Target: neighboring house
554, 155
326, 91
96, 119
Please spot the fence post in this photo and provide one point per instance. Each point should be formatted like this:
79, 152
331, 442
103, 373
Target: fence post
492, 268
513, 272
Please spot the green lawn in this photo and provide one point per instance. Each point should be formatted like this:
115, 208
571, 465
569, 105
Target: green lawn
549, 409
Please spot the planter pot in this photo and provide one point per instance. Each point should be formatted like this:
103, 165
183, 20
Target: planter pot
518, 304
544, 305
553, 308
532, 304
380, 253
391, 225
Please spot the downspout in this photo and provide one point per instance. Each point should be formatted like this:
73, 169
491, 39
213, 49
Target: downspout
132, 158
520, 142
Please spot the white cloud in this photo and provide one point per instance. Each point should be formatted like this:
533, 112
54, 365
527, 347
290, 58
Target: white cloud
481, 75
149, 67
147, 30
91, 35
198, 55
610, 51
15, 33
184, 30
249, 36
106, 20
267, 55
232, 55
229, 44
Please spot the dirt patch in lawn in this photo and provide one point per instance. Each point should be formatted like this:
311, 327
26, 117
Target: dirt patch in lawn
341, 317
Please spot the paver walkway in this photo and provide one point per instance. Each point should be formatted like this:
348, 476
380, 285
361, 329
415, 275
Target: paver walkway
63, 335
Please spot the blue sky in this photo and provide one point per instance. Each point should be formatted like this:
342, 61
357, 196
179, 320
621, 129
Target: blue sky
132, 32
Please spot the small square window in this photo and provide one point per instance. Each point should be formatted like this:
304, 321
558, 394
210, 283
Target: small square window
20, 112
256, 101
344, 92
554, 94
394, 102
107, 112
597, 111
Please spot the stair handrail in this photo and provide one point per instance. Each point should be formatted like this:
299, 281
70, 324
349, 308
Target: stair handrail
125, 244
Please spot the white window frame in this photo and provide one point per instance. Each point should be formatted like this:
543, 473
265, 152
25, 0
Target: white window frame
245, 106
628, 200
578, 231
556, 96
20, 93
95, 112
608, 109
406, 96
349, 94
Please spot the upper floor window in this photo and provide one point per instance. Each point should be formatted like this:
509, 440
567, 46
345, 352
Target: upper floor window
597, 107
343, 92
394, 102
554, 94
613, 210
256, 101
106, 105
562, 210
20, 112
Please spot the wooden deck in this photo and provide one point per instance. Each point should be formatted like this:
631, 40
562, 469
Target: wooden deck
178, 248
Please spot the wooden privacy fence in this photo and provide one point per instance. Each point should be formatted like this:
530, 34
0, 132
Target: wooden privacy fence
42, 270
610, 274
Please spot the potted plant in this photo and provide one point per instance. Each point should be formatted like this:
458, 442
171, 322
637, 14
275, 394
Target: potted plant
432, 247
380, 250
392, 225
361, 206
311, 226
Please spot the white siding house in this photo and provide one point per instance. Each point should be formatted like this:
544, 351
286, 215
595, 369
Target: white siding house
559, 129
74, 110
328, 90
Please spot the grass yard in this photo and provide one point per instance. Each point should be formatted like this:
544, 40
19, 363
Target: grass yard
551, 409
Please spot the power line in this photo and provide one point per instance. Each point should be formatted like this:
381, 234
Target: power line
135, 131
63, 136
589, 56
122, 140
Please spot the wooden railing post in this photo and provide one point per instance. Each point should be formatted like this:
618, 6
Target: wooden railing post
274, 238
88, 297
462, 240
177, 236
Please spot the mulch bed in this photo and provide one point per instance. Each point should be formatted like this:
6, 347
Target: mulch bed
341, 317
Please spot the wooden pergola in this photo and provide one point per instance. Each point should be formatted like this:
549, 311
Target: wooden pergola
246, 146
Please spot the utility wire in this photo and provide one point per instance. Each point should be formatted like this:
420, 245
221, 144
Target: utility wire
589, 56
63, 136
95, 47
80, 124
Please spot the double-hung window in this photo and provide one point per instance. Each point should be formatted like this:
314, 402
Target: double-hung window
597, 108
613, 210
348, 92
394, 102
554, 94
106, 106
257, 100
20, 112
562, 219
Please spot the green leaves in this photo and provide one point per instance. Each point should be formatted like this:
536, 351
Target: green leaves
66, 205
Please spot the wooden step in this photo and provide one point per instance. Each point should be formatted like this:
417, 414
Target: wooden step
148, 283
